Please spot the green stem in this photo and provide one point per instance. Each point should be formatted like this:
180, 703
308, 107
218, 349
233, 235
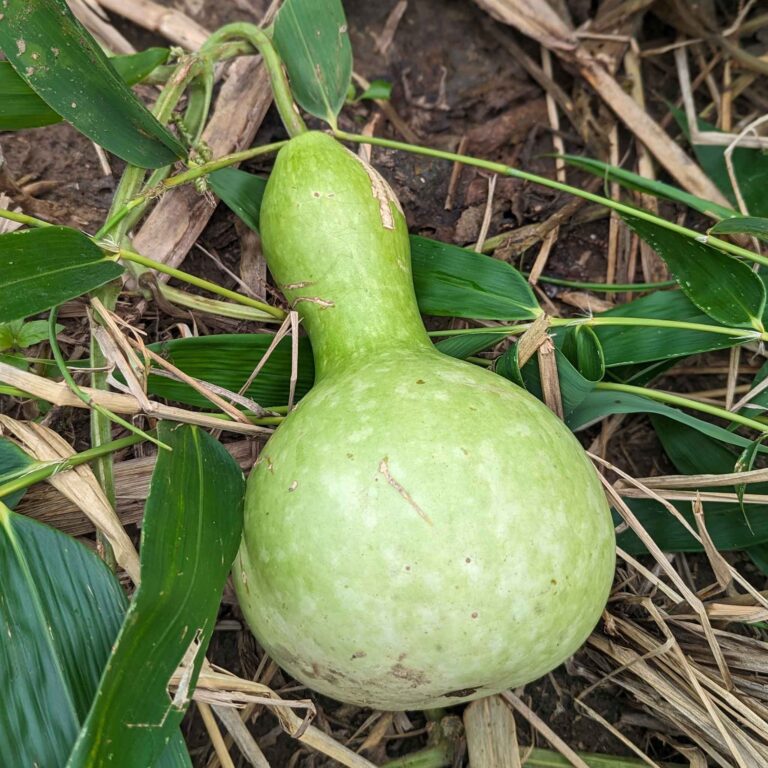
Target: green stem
199, 282
182, 178
85, 398
648, 322
505, 170
281, 91
214, 307
22, 218
605, 287
47, 469
684, 402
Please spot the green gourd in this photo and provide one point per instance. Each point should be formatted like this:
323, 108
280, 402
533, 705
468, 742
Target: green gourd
419, 531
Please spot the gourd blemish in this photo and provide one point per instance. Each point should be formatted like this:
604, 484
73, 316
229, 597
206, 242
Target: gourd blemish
419, 531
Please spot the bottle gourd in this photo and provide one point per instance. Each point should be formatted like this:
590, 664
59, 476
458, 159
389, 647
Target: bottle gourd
418, 531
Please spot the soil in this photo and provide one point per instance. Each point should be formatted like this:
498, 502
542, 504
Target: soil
452, 78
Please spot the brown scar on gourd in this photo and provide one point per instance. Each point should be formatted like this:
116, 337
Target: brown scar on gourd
323, 303
296, 286
384, 469
382, 193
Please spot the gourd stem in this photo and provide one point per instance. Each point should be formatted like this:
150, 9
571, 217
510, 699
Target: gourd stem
281, 91
506, 170
684, 402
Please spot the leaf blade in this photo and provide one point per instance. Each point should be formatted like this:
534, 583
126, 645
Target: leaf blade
41, 268
192, 528
312, 39
56, 56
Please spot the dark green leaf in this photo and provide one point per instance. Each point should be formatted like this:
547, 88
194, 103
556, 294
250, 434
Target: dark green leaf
729, 525
378, 89
758, 404
227, 360
720, 285
241, 192
759, 556
624, 344
601, 403
192, 527
312, 39
57, 57
573, 386
21, 107
19, 334
582, 348
41, 268
135, 67
59, 613
750, 225
453, 281
750, 167
726, 525
467, 344
13, 462
631, 180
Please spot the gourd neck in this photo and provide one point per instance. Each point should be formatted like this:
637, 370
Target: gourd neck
336, 242
371, 320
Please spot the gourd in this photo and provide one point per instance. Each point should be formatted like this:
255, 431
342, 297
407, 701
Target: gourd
418, 531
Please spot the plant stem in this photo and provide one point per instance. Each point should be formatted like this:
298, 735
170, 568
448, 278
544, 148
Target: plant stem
49, 468
605, 287
564, 322
87, 399
684, 402
199, 282
214, 307
23, 218
281, 91
182, 178
506, 170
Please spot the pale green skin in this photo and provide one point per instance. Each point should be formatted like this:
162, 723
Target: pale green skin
419, 531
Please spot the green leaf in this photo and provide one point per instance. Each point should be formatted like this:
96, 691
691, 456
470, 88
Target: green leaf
192, 528
749, 225
312, 39
380, 90
602, 403
20, 335
730, 525
227, 360
136, 67
41, 268
453, 281
582, 348
57, 57
241, 192
21, 107
638, 183
467, 344
629, 344
726, 526
59, 613
573, 386
750, 167
13, 463
720, 285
